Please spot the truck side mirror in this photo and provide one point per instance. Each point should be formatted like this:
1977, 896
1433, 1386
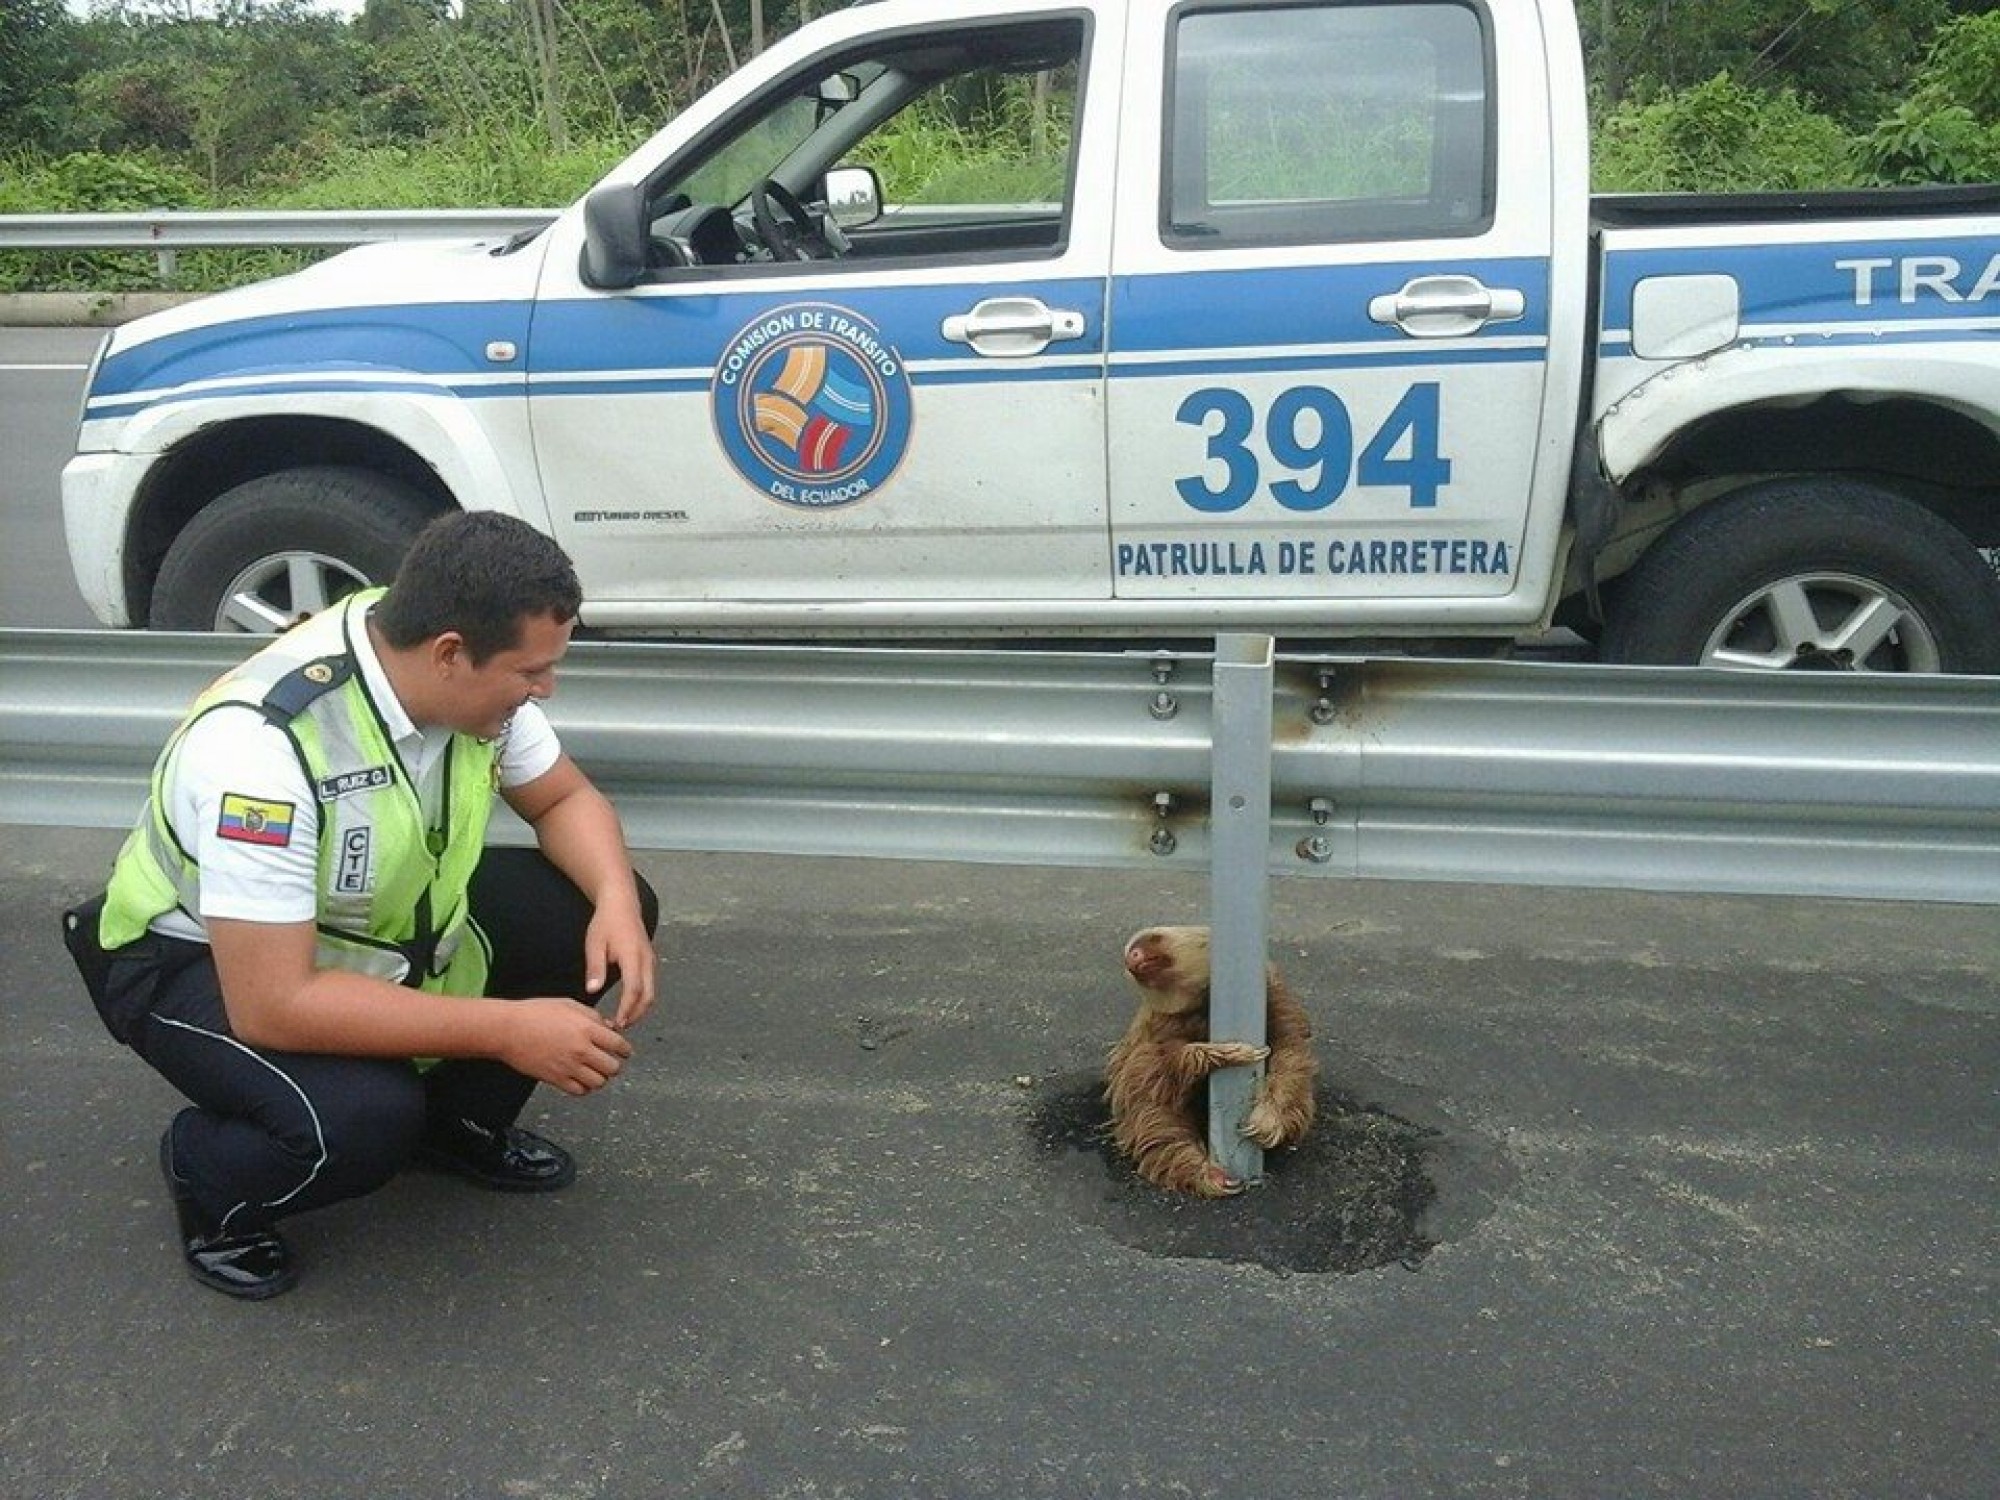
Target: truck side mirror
614, 237
853, 196
837, 89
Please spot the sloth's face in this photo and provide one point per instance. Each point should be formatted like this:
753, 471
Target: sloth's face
1171, 965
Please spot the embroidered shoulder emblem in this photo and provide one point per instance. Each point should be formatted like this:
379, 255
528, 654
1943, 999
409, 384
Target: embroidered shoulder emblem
254, 820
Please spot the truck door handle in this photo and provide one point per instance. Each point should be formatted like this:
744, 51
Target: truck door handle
1443, 307
1010, 327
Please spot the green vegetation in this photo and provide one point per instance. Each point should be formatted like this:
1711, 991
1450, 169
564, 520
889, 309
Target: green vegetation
1724, 137
1006, 145
146, 104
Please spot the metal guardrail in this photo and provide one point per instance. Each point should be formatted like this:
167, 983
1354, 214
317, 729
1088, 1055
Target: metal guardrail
1516, 773
168, 231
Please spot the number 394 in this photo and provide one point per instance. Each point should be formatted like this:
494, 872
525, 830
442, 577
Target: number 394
1311, 438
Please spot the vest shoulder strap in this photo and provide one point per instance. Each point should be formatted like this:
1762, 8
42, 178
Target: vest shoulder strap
295, 692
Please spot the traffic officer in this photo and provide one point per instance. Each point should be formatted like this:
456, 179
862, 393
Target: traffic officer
306, 935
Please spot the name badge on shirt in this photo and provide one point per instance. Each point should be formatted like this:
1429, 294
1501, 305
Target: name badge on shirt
349, 782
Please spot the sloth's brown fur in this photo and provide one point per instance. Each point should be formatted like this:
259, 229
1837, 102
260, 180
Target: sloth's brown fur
1154, 1078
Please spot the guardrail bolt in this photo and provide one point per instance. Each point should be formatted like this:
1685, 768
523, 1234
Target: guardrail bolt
1164, 704
1317, 847
1163, 841
1322, 712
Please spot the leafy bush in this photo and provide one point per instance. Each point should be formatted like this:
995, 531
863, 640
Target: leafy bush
87, 182
1925, 141
93, 182
1722, 137
1963, 66
1948, 130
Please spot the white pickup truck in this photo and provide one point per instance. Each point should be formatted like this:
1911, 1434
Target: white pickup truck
1289, 317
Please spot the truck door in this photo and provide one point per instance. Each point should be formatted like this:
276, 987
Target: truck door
859, 414
1330, 322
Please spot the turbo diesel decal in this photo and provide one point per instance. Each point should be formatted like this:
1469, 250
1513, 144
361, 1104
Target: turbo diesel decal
812, 406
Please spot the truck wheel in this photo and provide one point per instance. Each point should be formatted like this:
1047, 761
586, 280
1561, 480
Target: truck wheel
283, 546
1810, 575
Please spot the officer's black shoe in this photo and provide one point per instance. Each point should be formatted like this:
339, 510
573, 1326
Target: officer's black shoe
252, 1266
510, 1159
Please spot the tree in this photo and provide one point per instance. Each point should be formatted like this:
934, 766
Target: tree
32, 69
1948, 130
1844, 57
236, 89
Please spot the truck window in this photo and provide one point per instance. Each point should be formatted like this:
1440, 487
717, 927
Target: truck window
1256, 96
969, 132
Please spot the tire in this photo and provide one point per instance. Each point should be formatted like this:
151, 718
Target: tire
1810, 575
285, 545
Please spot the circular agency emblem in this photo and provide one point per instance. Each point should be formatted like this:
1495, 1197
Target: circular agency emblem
812, 406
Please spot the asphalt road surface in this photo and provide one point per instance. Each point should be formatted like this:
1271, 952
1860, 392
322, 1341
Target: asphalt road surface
41, 388
1714, 1212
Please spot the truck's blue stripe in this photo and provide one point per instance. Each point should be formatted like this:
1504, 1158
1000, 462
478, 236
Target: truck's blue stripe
441, 339
1785, 283
1270, 312
1281, 309
994, 374
1193, 322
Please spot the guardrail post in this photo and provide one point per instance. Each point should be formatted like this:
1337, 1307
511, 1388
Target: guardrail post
1239, 895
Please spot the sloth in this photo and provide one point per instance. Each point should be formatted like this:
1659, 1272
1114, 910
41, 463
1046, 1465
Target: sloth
1155, 1079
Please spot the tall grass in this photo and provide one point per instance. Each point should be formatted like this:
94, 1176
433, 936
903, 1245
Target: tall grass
1007, 145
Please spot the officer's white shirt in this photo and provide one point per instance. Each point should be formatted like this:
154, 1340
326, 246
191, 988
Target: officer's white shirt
236, 750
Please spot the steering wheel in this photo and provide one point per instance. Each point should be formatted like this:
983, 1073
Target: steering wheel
788, 231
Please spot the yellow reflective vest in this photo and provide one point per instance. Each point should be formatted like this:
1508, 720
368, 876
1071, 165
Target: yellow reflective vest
392, 884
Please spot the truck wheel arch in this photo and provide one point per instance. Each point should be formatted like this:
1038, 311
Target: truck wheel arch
442, 463
1742, 403
285, 544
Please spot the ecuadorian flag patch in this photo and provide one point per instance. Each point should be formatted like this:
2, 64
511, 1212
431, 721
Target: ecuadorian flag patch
252, 820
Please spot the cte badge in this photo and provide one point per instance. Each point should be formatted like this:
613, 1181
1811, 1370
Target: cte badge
354, 870
812, 406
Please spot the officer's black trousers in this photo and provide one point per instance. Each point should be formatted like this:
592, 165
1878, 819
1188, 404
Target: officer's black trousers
276, 1133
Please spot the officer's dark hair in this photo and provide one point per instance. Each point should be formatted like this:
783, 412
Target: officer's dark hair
481, 574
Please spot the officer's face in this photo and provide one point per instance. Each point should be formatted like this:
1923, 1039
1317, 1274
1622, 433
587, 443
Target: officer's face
484, 697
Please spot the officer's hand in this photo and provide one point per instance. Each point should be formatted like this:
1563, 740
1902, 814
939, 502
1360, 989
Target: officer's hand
560, 1042
616, 942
